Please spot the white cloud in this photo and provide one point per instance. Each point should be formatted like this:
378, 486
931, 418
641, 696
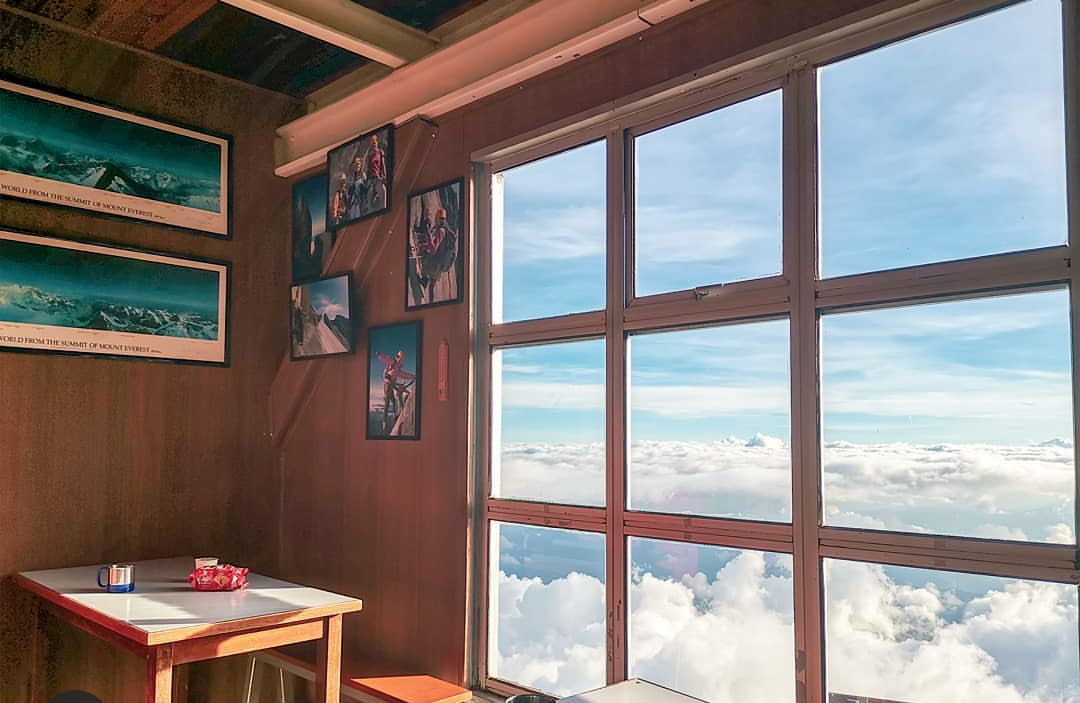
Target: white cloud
920, 643
556, 234
1001, 492
550, 635
673, 400
331, 309
727, 637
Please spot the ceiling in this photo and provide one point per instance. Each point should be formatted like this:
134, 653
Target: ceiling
224, 39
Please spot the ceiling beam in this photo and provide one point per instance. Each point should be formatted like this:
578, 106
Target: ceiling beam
348, 25
469, 22
543, 35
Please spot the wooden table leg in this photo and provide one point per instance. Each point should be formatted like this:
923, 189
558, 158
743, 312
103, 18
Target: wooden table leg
328, 666
159, 672
39, 653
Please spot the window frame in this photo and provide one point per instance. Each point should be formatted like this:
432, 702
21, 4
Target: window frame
798, 294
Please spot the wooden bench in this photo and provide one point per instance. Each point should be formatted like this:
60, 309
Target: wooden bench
368, 689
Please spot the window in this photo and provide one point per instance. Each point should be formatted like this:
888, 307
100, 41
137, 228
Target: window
547, 619
904, 634
775, 378
549, 228
708, 198
549, 423
960, 153
953, 418
708, 621
710, 421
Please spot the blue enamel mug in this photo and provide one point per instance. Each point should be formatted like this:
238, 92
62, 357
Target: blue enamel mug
117, 578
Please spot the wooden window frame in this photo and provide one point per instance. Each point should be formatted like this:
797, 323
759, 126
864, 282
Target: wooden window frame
798, 294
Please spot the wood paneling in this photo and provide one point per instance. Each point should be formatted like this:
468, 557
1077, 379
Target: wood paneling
106, 460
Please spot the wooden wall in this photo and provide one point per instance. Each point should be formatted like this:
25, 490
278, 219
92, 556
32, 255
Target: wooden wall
387, 520
106, 460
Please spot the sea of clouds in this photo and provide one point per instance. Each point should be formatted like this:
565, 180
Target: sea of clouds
724, 636
728, 637
980, 490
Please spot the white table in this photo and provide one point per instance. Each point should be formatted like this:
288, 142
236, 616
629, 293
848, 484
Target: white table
631, 691
166, 622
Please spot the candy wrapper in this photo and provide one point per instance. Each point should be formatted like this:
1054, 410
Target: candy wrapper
223, 577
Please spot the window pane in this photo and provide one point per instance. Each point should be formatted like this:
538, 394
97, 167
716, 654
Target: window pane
903, 634
952, 418
549, 236
546, 623
711, 622
548, 423
710, 422
944, 146
709, 198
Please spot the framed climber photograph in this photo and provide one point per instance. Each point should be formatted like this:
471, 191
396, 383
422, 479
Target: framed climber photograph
434, 273
394, 366
361, 173
321, 315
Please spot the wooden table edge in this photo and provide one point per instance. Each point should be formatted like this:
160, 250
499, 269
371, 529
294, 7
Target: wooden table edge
137, 635
149, 639
259, 621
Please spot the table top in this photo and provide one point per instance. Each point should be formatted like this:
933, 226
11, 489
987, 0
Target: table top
165, 608
631, 691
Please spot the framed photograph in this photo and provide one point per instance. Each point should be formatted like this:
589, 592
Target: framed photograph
62, 295
361, 173
321, 317
434, 273
61, 150
311, 241
394, 366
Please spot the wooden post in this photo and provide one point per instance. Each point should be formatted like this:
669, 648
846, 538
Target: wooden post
159, 665
328, 666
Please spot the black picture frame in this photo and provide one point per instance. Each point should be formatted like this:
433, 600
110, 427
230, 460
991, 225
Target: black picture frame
389, 336
346, 195
322, 326
29, 254
112, 203
312, 244
450, 197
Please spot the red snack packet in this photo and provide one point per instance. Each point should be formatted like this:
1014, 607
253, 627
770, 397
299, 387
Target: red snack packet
223, 577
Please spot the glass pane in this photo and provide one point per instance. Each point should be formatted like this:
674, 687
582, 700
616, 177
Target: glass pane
944, 146
548, 423
546, 621
708, 194
953, 418
549, 236
901, 634
709, 414
711, 622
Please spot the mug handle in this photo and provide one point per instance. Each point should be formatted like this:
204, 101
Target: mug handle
100, 571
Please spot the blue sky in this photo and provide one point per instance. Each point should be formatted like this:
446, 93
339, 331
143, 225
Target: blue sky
330, 296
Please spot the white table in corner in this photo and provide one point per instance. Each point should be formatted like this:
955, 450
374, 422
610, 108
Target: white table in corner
631, 691
168, 623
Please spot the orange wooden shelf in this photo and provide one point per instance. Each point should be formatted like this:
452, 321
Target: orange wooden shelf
403, 688
409, 689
